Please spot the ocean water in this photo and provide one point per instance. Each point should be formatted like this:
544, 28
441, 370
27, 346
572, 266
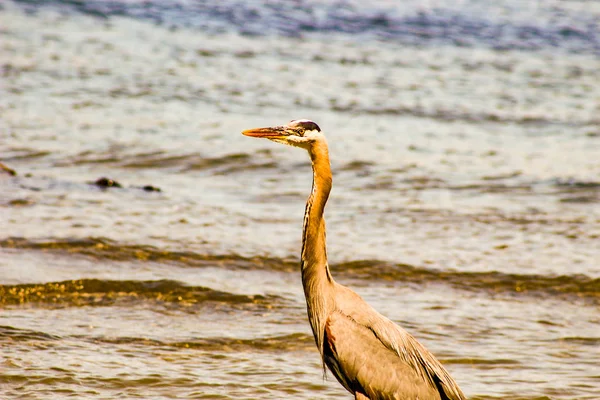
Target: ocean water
148, 250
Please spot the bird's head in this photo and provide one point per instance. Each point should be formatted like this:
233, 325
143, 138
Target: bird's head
299, 133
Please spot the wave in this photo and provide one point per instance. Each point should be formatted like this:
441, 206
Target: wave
271, 343
21, 335
457, 25
96, 292
577, 191
449, 114
106, 249
569, 190
582, 340
493, 282
225, 164
287, 342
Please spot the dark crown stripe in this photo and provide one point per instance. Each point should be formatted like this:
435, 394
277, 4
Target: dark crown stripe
306, 124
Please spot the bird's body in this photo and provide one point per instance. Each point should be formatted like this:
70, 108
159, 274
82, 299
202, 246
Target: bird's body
372, 357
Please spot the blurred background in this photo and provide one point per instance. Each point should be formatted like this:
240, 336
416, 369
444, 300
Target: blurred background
149, 250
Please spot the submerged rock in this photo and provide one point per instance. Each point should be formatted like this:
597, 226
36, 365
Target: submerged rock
107, 182
150, 188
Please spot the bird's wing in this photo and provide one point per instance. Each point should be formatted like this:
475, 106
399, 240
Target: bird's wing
415, 354
362, 364
373, 336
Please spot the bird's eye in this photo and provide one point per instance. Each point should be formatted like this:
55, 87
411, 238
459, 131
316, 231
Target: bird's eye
301, 131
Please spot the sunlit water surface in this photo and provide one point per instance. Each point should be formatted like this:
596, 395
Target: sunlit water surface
465, 156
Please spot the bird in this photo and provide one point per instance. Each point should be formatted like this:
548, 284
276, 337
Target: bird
372, 357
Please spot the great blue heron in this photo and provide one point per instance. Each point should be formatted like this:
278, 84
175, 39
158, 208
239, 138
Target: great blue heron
372, 357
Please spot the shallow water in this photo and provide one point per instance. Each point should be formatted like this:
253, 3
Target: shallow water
466, 155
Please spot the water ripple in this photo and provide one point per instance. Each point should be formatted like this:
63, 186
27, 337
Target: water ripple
96, 292
88, 292
560, 27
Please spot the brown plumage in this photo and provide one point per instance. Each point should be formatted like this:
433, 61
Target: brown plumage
373, 358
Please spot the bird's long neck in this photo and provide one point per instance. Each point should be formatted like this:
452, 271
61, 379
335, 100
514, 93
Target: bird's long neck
316, 279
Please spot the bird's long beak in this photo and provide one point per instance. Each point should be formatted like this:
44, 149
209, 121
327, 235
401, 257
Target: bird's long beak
270, 132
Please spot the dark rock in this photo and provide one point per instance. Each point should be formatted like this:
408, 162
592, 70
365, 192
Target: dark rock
107, 182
